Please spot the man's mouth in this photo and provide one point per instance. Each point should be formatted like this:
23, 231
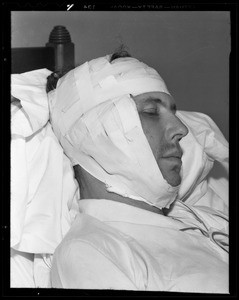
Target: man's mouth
173, 159
176, 154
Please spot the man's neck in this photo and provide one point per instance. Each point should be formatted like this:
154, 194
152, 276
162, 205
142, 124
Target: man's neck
92, 188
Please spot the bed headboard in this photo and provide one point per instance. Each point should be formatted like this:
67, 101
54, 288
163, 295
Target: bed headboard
57, 55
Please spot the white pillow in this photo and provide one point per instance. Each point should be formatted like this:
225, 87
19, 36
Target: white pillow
203, 145
43, 188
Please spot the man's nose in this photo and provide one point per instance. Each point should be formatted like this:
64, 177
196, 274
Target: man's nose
176, 129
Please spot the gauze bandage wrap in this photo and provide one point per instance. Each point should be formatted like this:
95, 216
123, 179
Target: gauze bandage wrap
98, 126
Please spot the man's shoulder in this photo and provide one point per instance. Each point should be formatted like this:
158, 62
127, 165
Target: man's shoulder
92, 248
81, 260
89, 232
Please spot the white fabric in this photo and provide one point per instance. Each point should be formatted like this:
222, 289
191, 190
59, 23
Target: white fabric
44, 192
203, 145
93, 115
21, 269
30, 89
109, 250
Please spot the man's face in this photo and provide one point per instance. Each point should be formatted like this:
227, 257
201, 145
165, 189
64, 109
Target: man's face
163, 131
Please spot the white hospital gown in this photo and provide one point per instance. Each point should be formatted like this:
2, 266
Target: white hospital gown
113, 245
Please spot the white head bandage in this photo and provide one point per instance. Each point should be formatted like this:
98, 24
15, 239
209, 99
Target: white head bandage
98, 126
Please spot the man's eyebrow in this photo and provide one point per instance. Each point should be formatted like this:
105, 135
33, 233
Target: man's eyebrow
173, 106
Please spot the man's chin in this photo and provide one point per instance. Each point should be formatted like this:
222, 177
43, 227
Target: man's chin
170, 171
174, 180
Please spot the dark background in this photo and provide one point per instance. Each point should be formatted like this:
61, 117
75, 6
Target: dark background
189, 49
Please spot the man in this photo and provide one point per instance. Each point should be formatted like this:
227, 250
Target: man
117, 122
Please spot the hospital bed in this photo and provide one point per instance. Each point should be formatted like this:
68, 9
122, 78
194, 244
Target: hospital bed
43, 208
57, 55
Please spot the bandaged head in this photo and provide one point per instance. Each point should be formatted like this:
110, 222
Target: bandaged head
98, 126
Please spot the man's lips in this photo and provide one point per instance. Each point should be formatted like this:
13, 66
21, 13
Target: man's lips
173, 158
177, 154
